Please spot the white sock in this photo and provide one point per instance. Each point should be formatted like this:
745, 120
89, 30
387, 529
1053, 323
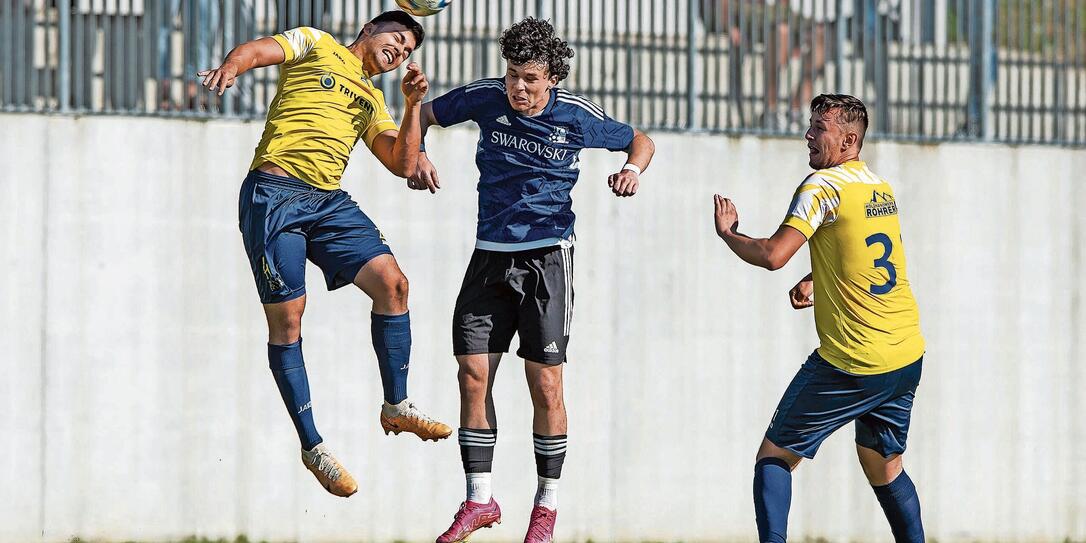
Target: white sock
478, 487
546, 494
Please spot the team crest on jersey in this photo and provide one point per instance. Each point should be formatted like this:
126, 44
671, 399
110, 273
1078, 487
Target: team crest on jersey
882, 204
328, 81
559, 135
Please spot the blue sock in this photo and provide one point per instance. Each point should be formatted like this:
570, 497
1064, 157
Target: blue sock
772, 498
902, 507
288, 368
392, 343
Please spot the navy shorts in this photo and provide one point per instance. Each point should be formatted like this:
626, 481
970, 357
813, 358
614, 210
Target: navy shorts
823, 398
285, 221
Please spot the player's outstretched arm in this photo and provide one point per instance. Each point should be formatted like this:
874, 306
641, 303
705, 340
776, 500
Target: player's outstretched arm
251, 54
772, 253
425, 177
398, 150
626, 181
800, 295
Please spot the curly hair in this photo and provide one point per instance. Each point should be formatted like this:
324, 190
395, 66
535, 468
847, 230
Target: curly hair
532, 41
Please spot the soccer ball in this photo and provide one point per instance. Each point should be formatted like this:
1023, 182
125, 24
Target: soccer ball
423, 8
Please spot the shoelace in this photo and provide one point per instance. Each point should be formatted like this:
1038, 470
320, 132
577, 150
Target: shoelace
538, 529
327, 466
414, 412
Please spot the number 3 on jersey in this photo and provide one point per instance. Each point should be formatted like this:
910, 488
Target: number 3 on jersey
883, 262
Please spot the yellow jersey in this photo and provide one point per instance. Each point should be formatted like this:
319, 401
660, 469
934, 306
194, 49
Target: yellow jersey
324, 103
865, 313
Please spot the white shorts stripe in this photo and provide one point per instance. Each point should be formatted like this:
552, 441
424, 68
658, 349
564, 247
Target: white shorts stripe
567, 268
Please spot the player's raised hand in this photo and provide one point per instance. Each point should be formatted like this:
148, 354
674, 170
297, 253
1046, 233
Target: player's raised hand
623, 183
414, 84
425, 177
220, 78
801, 295
725, 215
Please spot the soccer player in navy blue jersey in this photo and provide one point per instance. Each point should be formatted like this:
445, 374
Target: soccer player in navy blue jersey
520, 278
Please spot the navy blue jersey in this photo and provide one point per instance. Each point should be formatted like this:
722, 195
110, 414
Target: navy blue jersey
528, 165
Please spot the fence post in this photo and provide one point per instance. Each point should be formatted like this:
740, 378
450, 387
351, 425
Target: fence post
64, 63
693, 81
988, 59
227, 43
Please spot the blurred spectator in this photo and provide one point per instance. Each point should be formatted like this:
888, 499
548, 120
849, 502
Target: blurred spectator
200, 33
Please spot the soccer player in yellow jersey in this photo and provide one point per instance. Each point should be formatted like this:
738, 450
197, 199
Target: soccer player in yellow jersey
293, 209
868, 364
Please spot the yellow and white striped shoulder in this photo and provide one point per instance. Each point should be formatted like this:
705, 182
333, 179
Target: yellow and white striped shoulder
849, 172
298, 42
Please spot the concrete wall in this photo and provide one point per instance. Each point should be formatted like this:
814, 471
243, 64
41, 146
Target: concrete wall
136, 403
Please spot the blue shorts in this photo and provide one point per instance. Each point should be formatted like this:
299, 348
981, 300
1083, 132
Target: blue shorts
823, 398
284, 221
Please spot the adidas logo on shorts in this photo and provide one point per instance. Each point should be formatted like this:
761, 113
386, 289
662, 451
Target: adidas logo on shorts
552, 348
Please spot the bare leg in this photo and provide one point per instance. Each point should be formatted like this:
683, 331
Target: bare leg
545, 386
879, 471
895, 492
382, 280
285, 321
476, 377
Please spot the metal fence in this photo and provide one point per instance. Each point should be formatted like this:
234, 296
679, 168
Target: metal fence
976, 70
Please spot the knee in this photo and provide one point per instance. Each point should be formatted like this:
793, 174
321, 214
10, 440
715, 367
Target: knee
473, 383
548, 394
879, 470
394, 286
285, 328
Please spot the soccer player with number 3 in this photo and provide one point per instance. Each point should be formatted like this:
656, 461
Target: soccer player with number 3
868, 365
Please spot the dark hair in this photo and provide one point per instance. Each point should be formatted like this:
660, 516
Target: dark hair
402, 17
533, 41
850, 109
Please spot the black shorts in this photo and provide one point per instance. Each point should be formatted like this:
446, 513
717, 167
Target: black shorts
525, 292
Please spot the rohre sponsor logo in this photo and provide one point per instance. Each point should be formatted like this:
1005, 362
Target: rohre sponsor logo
882, 204
529, 146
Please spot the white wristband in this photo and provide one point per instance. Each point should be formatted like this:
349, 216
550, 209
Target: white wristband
633, 168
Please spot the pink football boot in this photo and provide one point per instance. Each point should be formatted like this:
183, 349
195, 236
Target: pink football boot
541, 526
471, 517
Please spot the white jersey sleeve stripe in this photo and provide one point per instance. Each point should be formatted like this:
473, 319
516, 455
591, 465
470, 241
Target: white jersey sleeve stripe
484, 83
583, 101
580, 105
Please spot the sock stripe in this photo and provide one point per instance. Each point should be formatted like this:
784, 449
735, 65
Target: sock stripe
555, 452
550, 444
474, 443
477, 438
550, 454
484, 434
